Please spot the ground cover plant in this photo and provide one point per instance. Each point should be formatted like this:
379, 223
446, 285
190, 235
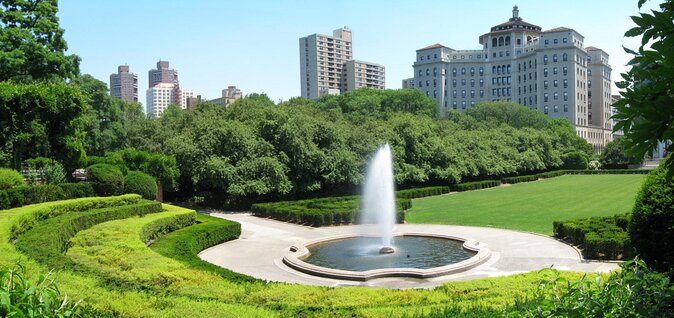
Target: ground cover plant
531, 206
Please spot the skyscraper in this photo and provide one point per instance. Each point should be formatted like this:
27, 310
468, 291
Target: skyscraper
124, 85
324, 69
551, 71
163, 74
164, 90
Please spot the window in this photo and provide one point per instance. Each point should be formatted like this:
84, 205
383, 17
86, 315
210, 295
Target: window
545, 84
566, 108
545, 72
420, 73
472, 83
454, 94
463, 71
435, 71
454, 83
501, 41
463, 94
481, 93
428, 83
554, 70
463, 82
565, 70
566, 83
493, 69
454, 71
545, 108
435, 56
454, 105
589, 72
555, 96
435, 83
481, 71
566, 98
507, 40
463, 105
565, 57
420, 84
545, 57
556, 108
555, 83
472, 71
545, 97
472, 93
494, 42
428, 72
547, 42
554, 56
554, 41
564, 40
481, 82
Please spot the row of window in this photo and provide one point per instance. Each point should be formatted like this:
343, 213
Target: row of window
565, 58
556, 41
555, 109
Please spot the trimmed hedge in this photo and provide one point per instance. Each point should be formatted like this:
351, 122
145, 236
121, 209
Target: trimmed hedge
141, 183
321, 212
557, 173
47, 241
609, 171
185, 244
597, 237
27, 221
476, 185
161, 227
513, 180
24, 195
106, 179
551, 174
10, 178
421, 192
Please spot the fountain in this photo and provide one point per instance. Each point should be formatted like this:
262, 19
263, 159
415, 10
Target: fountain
379, 198
372, 254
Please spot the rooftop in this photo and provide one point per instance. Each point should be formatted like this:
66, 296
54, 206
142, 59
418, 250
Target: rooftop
558, 29
434, 46
515, 22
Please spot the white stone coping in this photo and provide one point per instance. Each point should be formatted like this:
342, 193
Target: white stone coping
298, 251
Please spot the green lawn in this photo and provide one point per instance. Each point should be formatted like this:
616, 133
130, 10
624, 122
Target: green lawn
531, 206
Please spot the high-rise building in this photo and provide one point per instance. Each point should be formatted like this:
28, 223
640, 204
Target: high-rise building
163, 74
551, 71
229, 96
324, 68
124, 85
160, 96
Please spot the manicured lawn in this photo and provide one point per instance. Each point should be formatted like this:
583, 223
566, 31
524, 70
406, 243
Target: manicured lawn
531, 206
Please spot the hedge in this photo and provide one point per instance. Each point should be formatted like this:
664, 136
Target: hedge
24, 195
106, 179
597, 237
421, 192
321, 212
10, 178
557, 173
609, 171
185, 244
141, 183
476, 185
27, 221
513, 180
47, 240
158, 228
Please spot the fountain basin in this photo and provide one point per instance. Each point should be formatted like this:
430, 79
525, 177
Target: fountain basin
299, 253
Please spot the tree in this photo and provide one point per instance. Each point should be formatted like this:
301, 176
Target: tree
614, 156
32, 45
509, 113
646, 111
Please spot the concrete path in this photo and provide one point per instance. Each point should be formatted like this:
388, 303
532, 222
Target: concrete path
264, 242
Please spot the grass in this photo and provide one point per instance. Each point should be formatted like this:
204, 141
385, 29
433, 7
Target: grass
531, 206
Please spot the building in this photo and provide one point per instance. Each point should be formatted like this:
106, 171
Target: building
324, 66
361, 74
551, 71
229, 96
163, 74
124, 85
162, 95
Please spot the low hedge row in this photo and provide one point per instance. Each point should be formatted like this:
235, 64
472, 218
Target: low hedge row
475, 185
24, 195
27, 221
321, 212
597, 237
513, 180
421, 192
161, 227
609, 171
47, 241
557, 173
185, 244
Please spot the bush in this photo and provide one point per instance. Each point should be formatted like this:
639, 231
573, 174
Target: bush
575, 160
476, 185
513, 180
42, 193
141, 183
614, 155
47, 240
184, 244
10, 178
633, 291
652, 225
154, 230
78, 190
53, 173
598, 237
106, 179
551, 174
20, 298
421, 192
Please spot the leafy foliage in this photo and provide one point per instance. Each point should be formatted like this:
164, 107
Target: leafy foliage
598, 237
140, 183
575, 160
614, 155
33, 47
645, 112
106, 179
652, 225
10, 178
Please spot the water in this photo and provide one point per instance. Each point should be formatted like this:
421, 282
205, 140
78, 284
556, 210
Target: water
362, 253
378, 205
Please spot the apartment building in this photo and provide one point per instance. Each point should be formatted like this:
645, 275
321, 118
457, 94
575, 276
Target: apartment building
162, 74
160, 96
229, 96
124, 85
327, 66
551, 71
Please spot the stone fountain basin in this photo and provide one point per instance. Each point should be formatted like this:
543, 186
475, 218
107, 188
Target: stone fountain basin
296, 252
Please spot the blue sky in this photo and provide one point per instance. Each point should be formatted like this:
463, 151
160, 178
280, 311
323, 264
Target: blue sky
254, 44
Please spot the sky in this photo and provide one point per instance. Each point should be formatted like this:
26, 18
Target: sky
254, 44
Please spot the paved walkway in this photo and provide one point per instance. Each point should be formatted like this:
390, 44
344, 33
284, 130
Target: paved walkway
263, 243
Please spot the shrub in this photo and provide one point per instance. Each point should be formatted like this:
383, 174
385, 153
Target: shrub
633, 291
20, 298
152, 231
513, 180
575, 160
141, 183
614, 155
476, 185
42, 193
78, 190
10, 178
49, 239
597, 237
421, 192
184, 244
53, 173
652, 225
106, 179
551, 174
